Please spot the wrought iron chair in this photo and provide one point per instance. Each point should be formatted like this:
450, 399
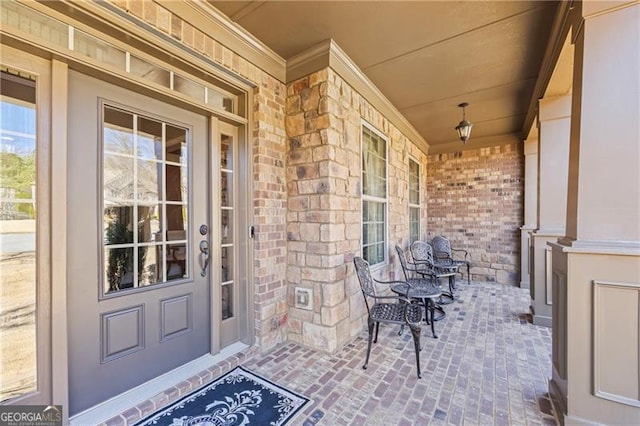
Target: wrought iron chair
424, 287
445, 254
422, 254
387, 309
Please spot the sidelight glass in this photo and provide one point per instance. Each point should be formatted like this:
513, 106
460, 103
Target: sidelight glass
227, 247
146, 200
18, 226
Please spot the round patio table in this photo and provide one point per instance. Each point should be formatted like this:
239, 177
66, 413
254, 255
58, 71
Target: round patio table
425, 292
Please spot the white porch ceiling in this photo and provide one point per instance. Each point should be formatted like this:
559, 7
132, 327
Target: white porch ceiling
426, 57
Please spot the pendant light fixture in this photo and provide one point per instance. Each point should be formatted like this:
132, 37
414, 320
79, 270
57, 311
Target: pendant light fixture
464, 127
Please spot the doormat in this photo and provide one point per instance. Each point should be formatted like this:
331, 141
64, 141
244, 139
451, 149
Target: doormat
240, 397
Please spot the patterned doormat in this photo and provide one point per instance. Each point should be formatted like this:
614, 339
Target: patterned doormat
238, 398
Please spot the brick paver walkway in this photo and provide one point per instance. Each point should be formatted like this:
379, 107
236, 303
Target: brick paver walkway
490, 366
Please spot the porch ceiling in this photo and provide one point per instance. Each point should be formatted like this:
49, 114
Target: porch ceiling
426, 57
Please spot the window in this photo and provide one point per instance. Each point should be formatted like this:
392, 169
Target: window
18, 255
414, 201
374, 196
146, 205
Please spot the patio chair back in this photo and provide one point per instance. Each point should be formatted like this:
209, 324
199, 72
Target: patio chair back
441, 247
444, 253
403, 262
422, 252
366, 282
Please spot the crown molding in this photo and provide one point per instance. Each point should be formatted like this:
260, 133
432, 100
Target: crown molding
210, 20
329, 54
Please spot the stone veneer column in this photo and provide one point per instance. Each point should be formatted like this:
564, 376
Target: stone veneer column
596, 267
554, 123
323, 220
324, 224
530, 206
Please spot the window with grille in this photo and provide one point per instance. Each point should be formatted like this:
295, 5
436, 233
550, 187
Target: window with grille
374, 196
414, 201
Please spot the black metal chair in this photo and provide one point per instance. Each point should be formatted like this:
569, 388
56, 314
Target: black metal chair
422, 254
425, 284
444, 253
387, 309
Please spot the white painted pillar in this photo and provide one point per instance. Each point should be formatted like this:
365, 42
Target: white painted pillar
530, 205
554, 124
596, 266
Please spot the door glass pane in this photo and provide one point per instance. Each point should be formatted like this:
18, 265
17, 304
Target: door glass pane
227, 272
149, 223
227, 264
149, 141
18, 363
227, 226
146, 202
227, 301
118, 132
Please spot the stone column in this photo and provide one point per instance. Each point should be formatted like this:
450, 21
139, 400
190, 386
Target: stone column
530, 206
323, 219
596, 266
554, 120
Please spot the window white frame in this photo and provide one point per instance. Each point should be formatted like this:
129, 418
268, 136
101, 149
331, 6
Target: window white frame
414, 205
371, 200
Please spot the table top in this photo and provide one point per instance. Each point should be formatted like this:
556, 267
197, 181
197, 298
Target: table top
421, 289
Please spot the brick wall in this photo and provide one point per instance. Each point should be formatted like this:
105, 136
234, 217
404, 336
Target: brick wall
267, 147
476, 199
324, 118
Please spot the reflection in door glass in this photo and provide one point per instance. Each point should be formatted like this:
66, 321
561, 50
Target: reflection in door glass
146, 204
18, 357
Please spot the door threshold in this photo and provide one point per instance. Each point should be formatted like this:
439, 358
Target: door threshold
118, 404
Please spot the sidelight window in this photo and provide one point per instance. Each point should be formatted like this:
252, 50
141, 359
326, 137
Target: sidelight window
18, 229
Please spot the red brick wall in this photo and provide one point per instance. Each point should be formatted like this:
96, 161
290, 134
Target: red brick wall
476, 199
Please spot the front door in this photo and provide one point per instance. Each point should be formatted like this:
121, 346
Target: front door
139, 295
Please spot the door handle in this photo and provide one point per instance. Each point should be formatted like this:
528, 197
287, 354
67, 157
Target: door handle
204, 253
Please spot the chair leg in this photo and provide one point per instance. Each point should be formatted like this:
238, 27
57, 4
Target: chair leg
415, 332
468, 274
377, 328
371, 326
432, 310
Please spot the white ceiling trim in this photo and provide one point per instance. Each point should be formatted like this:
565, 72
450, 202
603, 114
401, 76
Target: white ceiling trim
329, 54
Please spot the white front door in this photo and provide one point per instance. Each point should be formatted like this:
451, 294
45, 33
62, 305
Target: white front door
139, 293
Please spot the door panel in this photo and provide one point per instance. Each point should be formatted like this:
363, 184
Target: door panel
138, 193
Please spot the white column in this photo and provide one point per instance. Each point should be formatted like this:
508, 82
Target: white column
596, 266
554, 123
530, 205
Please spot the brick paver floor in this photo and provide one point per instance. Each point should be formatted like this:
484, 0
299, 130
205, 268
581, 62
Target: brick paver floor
489, 366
